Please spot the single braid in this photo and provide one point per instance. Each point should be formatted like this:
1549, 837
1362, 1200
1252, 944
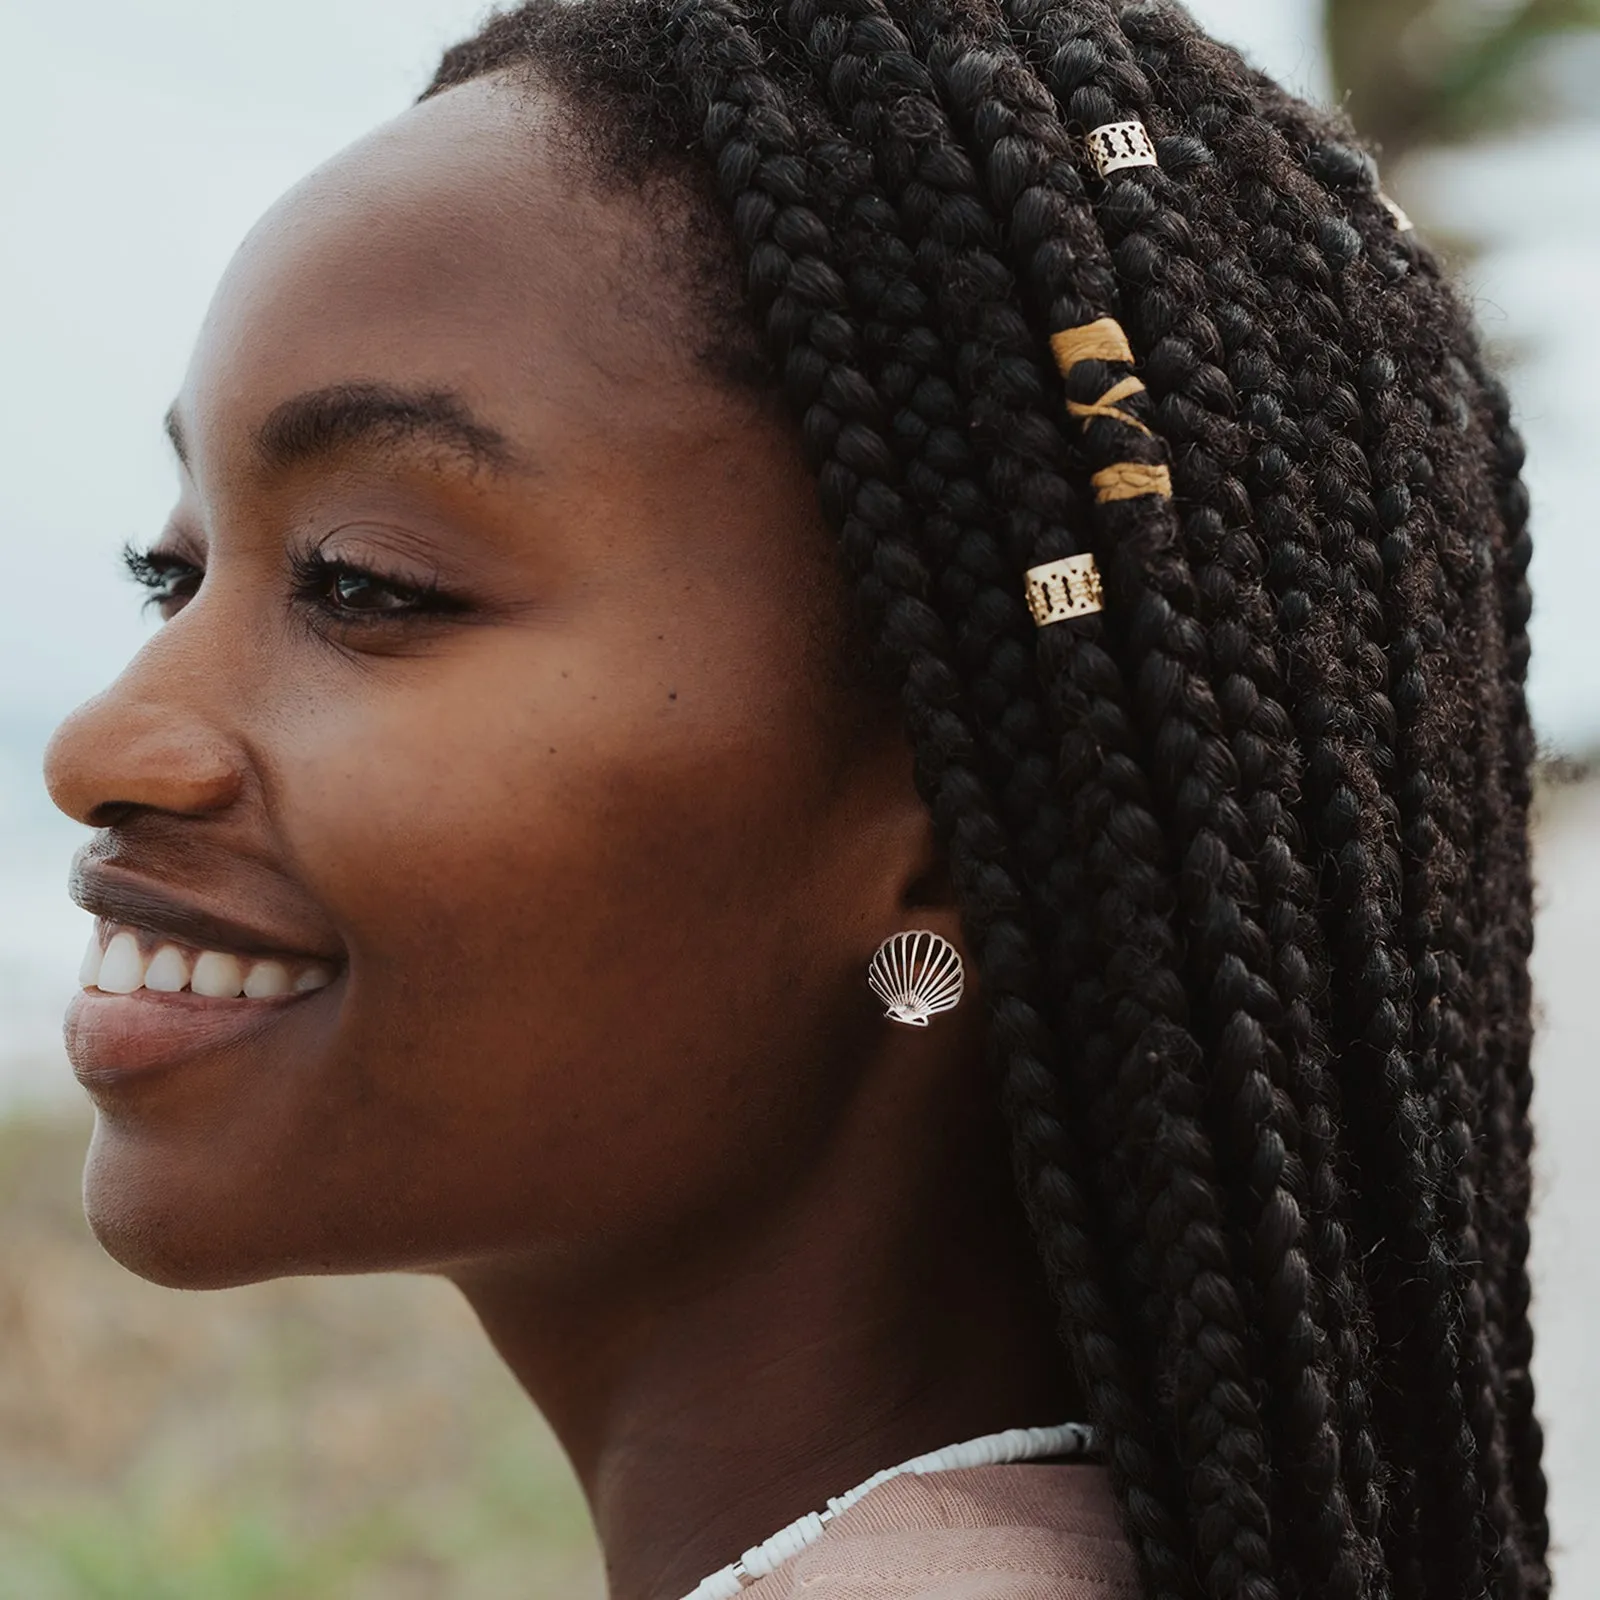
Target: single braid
1524, 1434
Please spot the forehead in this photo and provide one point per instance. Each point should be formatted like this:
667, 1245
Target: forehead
459, 246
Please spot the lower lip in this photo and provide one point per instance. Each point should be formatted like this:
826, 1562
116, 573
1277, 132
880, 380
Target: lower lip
111, 1037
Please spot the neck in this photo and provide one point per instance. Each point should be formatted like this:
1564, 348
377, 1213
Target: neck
871, 1313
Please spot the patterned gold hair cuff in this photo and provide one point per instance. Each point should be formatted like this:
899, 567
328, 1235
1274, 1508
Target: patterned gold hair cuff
1064, 589
1121, 144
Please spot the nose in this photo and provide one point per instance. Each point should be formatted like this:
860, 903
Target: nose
143, 744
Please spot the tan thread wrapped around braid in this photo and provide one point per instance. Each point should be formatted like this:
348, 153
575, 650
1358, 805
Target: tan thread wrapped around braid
1129, 480
1105, 340
1098, 341
1106, 406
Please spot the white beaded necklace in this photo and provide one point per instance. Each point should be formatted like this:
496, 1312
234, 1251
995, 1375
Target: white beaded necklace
1015, 1444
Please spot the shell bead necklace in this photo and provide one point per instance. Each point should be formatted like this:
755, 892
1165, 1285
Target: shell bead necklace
1015, 1444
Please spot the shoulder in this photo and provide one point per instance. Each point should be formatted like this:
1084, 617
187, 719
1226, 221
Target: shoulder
1022, 1532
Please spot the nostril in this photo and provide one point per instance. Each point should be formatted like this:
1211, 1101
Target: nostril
111, 814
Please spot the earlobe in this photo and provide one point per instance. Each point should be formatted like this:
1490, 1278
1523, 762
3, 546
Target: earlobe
931, 889
913, 852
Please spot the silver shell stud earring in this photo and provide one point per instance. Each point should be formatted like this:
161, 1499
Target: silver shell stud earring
916, 975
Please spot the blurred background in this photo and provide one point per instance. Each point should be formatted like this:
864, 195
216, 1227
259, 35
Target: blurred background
340, 1440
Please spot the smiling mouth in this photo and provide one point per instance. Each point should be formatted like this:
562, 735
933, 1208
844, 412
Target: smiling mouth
124, 960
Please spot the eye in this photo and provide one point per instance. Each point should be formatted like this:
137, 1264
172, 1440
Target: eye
168, 580
347, 589
351, 593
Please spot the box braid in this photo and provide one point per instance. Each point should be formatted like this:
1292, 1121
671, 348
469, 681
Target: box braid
1242, 859
1525, 1437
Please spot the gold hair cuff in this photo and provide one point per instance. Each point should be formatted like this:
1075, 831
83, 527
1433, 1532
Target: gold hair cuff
1130, 480
1121, 144
1064, 589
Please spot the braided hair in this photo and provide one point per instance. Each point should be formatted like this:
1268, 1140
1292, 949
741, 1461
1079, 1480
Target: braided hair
1242, 857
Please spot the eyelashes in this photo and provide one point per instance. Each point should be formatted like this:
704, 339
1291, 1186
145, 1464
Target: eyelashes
343, 592
166, 578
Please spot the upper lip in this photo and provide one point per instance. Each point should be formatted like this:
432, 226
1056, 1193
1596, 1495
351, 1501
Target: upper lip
121, 896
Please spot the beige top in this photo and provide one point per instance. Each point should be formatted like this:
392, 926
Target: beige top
1015, 1532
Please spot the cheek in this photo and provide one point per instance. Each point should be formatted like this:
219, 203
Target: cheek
583, 934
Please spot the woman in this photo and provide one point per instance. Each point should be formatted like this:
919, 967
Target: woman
1036, 938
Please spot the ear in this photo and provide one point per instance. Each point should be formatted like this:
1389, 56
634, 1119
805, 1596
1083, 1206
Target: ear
898, 880
900, 872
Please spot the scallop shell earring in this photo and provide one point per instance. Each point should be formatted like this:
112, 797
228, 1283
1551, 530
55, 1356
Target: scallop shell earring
916, 975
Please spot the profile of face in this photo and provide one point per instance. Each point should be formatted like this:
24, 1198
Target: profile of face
495, 743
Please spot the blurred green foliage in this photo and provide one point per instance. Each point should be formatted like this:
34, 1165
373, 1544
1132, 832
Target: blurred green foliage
1428, 72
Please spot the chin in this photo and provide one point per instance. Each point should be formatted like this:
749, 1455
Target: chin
161, 1255
172, 1230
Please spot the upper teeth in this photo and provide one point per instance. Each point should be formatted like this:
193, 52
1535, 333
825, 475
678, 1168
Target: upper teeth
121, 967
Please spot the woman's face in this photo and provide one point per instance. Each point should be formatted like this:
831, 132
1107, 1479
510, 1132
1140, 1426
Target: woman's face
504, 701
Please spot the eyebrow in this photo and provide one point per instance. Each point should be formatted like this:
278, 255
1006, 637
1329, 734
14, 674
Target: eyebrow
345, 416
